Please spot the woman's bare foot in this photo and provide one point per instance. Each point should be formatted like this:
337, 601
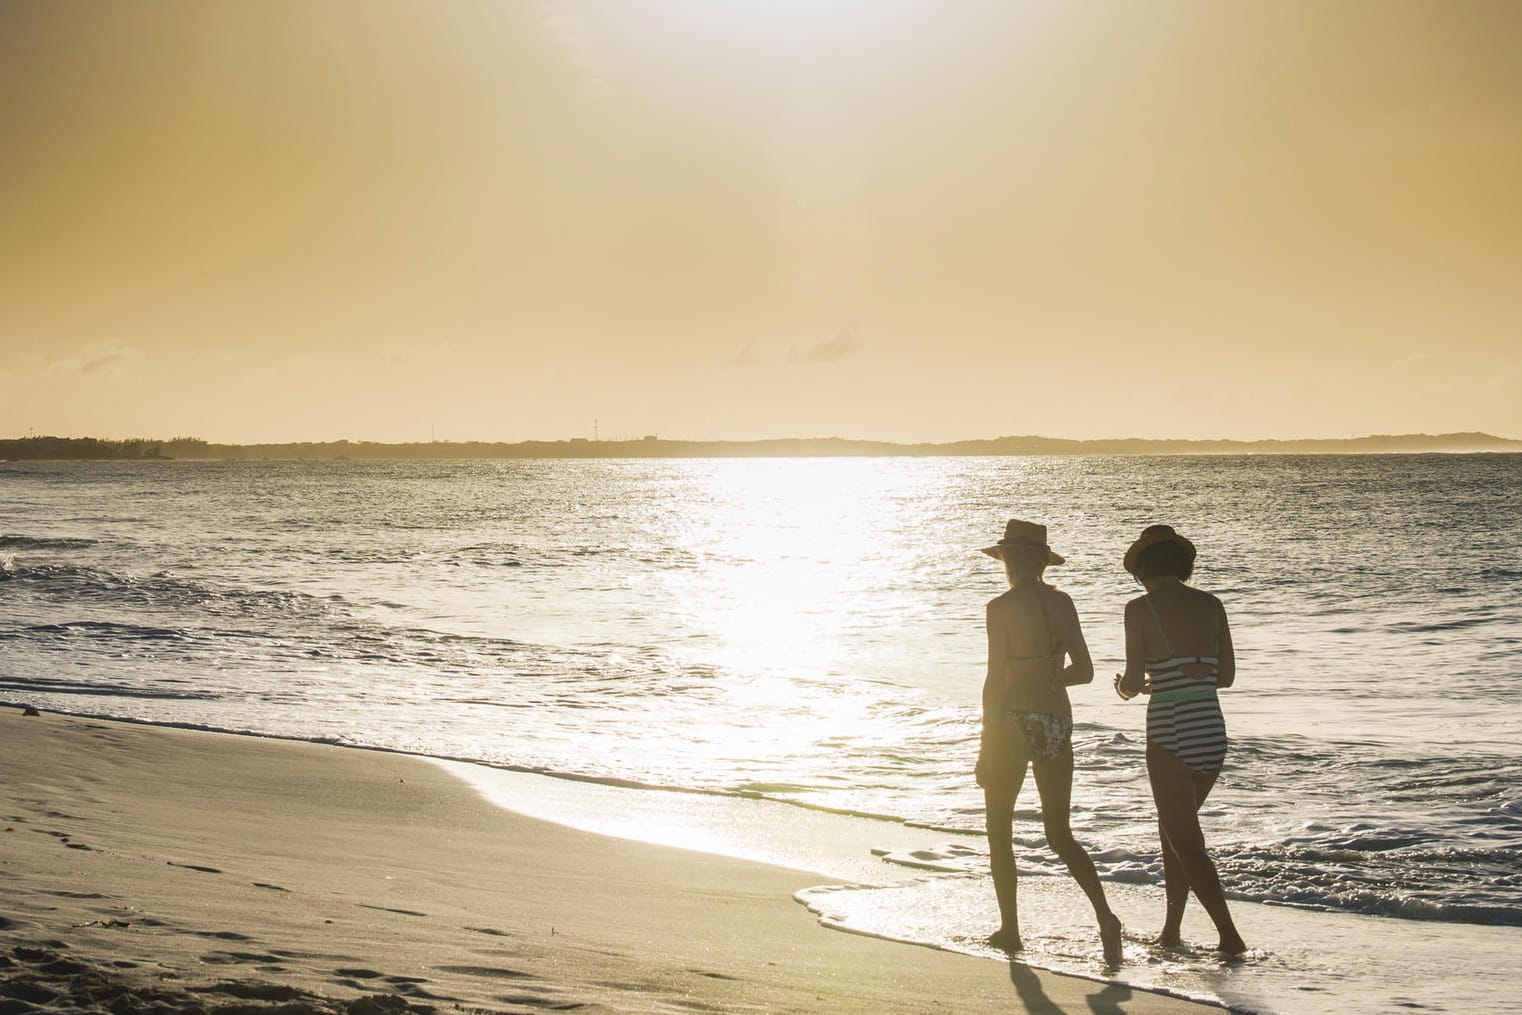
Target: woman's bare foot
1006, 939
1232, 947
1170, 939
1109, 935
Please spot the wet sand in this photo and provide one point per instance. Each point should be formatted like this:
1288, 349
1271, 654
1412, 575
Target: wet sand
153, 869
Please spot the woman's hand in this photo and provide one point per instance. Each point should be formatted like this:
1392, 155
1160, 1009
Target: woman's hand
988, 752
1127, 690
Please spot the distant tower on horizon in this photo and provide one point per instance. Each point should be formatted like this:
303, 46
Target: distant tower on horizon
594, 428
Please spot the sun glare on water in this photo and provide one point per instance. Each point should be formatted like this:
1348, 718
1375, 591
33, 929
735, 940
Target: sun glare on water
781, 544
790, 559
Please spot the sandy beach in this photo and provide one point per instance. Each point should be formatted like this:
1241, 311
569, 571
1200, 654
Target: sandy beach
155, 869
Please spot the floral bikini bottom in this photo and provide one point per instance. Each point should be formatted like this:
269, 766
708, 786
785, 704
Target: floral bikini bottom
1046, 734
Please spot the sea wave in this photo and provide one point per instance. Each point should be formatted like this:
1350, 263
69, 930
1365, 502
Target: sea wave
39, 686
75, 586
15, 542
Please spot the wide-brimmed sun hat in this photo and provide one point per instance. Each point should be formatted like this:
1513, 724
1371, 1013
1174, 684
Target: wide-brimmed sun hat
1151, 536
1018, 533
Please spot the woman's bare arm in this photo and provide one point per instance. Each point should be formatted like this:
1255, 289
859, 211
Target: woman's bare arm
1081, 669
1226, 656
1133, 681
993, 699
993, 682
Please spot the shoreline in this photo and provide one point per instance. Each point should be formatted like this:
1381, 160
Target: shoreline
193, 868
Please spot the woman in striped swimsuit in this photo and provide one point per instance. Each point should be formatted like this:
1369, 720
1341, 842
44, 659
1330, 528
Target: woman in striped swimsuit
1178, 651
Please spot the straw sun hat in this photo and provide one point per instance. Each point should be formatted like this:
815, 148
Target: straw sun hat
1018, 533
1151, 536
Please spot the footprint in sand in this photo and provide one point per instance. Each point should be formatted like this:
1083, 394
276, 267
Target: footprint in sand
239, 958
547, 1005
386, 909
488, 931
257, 992
488, 972
63, 838
64, 967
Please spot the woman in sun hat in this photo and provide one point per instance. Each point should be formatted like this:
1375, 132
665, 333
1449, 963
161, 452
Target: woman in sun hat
1028, 723
1178, 651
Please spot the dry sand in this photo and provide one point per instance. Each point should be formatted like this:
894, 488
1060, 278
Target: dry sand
161, 870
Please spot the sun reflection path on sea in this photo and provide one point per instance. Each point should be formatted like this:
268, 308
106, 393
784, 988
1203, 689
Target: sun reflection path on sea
795, 564
782, 548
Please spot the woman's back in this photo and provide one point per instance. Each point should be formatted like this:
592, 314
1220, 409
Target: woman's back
1026, 627
1183, 632
1185, 622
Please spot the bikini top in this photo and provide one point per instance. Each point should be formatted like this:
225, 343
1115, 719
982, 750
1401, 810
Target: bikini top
1055, 654
1169, 681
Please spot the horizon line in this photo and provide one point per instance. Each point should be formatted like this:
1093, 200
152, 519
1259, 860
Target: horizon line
649, 437
655, 446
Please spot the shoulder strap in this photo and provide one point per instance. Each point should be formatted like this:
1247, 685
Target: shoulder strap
1159, 620
1053, 646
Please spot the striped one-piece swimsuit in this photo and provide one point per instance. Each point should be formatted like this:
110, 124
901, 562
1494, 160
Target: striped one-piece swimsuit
1183, 713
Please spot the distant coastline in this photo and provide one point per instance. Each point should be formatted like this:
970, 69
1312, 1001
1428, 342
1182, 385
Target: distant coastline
185, 448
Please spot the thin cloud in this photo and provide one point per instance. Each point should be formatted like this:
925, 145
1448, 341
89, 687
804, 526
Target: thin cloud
749, 355
97, 358
846, 343
576, 37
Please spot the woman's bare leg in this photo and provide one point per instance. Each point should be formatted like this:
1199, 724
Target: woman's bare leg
1175, 877
1178, 793
999, 796
1054, 781
1176, 885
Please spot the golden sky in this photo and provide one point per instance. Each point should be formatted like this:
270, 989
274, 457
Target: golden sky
738, 219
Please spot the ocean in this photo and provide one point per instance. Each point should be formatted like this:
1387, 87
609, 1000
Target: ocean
782, 658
